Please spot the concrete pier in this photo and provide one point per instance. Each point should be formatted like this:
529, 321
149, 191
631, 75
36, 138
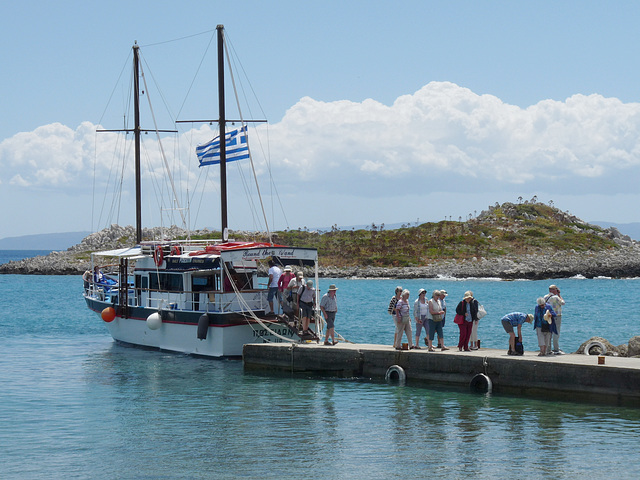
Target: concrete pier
569, 377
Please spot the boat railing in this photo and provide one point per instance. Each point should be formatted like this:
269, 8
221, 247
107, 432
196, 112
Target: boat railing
201, 301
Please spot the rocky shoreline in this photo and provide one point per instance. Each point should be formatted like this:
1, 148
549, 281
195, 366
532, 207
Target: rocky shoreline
621, 262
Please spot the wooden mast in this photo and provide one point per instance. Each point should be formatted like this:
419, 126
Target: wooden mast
223, 142
136, 131
222, 121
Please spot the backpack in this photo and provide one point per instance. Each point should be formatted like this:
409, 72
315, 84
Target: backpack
519, 347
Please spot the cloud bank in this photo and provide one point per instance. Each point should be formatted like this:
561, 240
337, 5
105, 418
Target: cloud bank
442, 138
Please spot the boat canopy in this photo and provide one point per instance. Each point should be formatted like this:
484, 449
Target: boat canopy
130, 252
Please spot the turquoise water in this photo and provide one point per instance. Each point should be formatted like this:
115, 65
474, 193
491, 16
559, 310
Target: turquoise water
73, 404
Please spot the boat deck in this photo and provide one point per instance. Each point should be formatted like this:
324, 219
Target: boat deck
569, 376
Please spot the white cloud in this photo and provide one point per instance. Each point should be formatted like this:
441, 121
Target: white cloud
442, 138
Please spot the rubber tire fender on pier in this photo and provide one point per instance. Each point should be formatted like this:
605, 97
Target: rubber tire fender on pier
481, 383
395, 373
595, 343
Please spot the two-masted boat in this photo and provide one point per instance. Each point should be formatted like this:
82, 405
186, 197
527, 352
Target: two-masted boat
202, 298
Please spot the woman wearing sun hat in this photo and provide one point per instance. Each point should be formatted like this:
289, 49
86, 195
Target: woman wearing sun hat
436, 314
283, 284
468, 308
403, 320
544, 328
420, 311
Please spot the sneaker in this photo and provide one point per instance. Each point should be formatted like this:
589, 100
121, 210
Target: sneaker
473, 348
558, 352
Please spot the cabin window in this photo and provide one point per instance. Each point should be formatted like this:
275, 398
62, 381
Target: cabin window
170, 282
207, 284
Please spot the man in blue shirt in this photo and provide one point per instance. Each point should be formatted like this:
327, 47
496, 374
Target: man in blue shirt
515, 319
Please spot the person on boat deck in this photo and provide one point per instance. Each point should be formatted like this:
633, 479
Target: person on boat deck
515, 319
101, 279
543, 327
306, 302
329, 307
420, 310
283, 284
274, 276
232, 278
98, 276
294, 285
392, 309
403, 320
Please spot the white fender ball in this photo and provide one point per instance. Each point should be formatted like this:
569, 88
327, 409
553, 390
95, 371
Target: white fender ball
154, 321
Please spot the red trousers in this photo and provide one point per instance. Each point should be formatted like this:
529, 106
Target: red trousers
465, 333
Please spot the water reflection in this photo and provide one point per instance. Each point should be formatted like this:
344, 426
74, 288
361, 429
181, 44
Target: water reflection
274, 426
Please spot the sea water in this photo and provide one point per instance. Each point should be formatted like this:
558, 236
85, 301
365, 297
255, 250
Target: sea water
74, 404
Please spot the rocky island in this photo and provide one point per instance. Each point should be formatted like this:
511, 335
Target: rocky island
528, 240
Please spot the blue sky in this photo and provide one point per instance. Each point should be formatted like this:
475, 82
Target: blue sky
379, 112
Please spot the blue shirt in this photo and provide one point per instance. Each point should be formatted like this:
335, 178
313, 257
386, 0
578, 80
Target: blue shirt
515, 318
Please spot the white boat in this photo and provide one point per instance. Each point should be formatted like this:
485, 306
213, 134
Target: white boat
201, 298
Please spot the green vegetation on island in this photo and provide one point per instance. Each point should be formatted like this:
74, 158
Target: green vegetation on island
507, 229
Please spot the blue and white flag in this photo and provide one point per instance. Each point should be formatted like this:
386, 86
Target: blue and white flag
236, 148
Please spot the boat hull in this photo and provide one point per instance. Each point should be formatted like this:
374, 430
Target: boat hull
178, 331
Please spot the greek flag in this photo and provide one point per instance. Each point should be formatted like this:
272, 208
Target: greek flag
236, 148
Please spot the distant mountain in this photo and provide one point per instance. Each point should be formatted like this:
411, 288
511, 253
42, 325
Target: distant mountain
45, 241
631, 229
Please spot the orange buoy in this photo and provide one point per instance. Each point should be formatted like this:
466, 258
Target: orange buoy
108, 314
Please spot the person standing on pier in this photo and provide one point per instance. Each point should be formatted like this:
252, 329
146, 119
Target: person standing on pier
420, 310
435, 321
543, 327
443, 304
468, 308
392, 309
329, 307
403, 320
556, 301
